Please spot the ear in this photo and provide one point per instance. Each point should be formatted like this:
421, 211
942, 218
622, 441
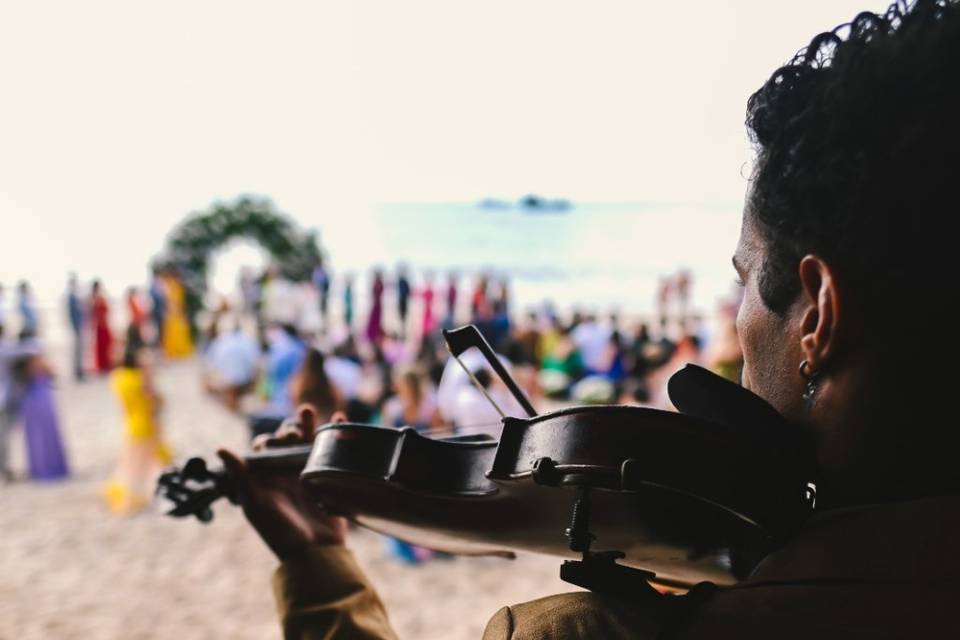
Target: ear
823, 312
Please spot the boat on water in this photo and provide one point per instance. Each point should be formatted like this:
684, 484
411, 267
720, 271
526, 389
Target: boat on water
530, 203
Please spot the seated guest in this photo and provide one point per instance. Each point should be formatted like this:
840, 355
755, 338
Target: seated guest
846, 250
285, 353
232, 359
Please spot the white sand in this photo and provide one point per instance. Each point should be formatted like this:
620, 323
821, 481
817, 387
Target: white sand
69, 569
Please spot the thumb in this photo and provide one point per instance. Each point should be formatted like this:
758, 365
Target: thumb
308, 420
236, 469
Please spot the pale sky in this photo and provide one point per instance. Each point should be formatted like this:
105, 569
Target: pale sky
118, 118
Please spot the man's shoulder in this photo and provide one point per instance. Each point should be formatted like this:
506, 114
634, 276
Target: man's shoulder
580, 615
790, 610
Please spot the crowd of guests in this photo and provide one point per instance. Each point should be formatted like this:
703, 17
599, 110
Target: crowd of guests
27, 396
278, 344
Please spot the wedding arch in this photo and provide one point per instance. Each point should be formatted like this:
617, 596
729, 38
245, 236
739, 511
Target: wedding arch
192, 243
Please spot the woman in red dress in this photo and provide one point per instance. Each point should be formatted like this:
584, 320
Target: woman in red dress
102, 339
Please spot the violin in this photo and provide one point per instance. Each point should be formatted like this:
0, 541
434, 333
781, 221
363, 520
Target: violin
677, 498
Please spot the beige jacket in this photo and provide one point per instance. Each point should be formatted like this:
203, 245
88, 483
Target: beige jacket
878, 572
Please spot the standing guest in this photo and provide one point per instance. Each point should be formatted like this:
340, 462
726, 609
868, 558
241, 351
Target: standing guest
138, 315
177, 341
664, 294
102, 337
348, 303
158, 306
27, 309
451, 299
285, 354
427, 294
41, 425
478, 301
375, 323
279, 298
11, 393
76, 316
321, 280
249, 290
683, 284
403, 299
503, 295
143, 453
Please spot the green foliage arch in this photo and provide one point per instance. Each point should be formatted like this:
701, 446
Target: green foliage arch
192, 243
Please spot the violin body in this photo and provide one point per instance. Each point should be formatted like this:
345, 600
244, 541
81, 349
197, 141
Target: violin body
680, 496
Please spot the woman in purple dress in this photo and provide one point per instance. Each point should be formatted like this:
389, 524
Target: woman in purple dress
45, 455
375, 323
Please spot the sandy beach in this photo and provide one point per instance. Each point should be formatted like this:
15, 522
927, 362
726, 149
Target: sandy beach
70, 570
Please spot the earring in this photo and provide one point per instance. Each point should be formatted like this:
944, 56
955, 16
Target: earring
808, 374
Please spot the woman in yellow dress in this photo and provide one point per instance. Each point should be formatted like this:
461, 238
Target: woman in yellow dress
144, 453
177, 342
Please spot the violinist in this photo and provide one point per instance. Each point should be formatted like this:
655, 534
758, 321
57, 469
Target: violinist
846, 253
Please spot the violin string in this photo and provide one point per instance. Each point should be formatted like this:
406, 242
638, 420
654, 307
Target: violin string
477, 384
474, 429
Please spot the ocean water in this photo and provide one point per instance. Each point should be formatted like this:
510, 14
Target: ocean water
599, 257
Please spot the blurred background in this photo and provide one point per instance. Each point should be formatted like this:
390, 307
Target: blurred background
213, 211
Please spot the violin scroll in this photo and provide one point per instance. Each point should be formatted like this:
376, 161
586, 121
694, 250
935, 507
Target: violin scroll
191, 491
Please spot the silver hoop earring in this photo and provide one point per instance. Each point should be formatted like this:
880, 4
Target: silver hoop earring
808, 374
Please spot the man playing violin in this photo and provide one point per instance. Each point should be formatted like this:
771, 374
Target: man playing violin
847, 257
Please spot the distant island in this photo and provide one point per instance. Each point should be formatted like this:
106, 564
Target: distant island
529, 203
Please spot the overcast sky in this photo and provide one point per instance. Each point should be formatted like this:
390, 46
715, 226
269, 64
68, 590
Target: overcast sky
117, 118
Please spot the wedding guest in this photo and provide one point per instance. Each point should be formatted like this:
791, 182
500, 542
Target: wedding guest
321, 280
285, 354
77, 316
41, 424
374, 330
177, 341
413, 404
348, 303
138, 315
143, 452
11, 394
451, 299
27, 310
311, 384
158, 306
232, 358
403, 299
427, 294
102, 336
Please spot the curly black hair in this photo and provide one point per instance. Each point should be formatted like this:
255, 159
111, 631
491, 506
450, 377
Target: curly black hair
858, 155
